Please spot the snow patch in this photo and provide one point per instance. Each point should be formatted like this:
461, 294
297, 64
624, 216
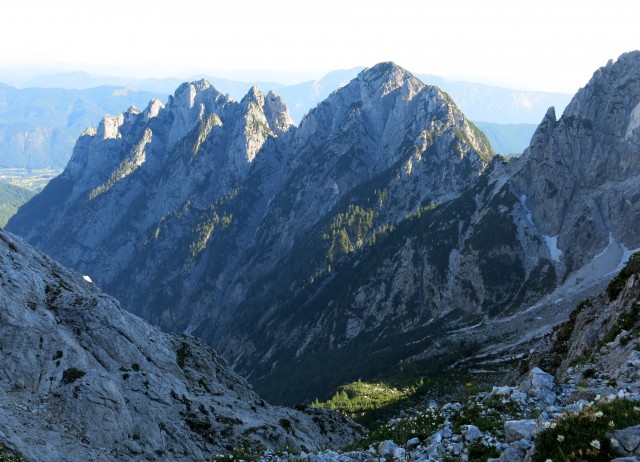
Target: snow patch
552, 245
523, 201
551, 241
634, 122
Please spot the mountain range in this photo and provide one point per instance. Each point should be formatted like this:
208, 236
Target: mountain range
40, 121
381, 230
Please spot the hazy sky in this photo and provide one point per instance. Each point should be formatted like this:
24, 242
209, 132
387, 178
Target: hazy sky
537, 44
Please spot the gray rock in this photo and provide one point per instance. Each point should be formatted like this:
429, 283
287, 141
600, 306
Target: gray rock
629, 439
387, 448
101, 384
539, 384
456, 448
436, 437
519, 429
413, 443
511, 455
471, 433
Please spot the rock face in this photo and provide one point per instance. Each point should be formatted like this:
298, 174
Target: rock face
380, 230
580, 174
181, 211
83, 379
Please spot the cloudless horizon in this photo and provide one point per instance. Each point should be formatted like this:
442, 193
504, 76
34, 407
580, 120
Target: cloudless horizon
545, 45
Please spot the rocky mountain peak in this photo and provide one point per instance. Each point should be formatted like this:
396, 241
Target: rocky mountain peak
384, 78
579, 176
277, 114
191, 103
153, 109
546, 127
109, 127
254, 95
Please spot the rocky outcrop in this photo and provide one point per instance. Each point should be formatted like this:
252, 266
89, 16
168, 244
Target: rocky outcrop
580, 174
83, 379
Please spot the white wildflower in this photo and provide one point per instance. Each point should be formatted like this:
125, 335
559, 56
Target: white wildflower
595, 444
560, 438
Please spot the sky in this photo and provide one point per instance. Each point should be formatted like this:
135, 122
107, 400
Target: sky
550, 45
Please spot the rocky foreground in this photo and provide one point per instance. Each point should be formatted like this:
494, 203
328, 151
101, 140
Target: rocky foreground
590, 409
81, 379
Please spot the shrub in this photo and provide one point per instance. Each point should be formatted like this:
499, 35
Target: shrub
480, 453
71, 375
182, 353
583, 435
285, 423
6, 456
617, 284
422, 424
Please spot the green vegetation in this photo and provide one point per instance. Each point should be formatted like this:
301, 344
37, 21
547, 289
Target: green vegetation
582, 436
617, 284
628, 321
348, 231
215, 216
205, 229
33, 180
7, 456
126, 168
182, 353
244, 453
488, 414
356, 398
71, 375
480, 453
562, 334
11, 198
204, 129
419, 424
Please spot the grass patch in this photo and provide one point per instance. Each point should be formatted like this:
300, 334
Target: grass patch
359, 397
582, 436
419, 424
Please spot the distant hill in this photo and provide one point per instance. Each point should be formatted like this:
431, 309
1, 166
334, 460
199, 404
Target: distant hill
508, 139
11, 198
39, 126
499, 105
